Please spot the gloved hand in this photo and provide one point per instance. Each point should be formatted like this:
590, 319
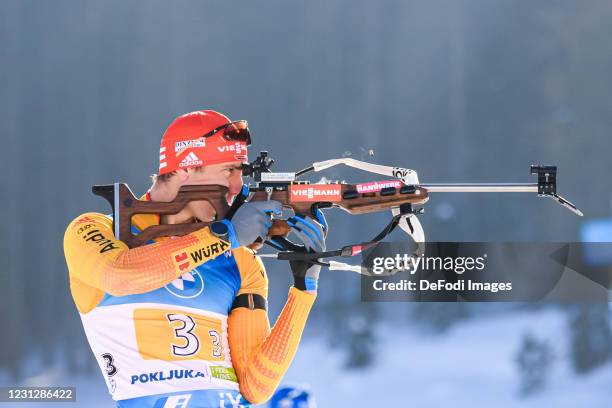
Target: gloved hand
251, 221
312, 235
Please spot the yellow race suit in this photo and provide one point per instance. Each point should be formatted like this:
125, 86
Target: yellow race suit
160, 322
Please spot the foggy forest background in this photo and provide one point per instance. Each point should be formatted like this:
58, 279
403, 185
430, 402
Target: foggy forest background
458, 90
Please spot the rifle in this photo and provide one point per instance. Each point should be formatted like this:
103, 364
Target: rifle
401, 195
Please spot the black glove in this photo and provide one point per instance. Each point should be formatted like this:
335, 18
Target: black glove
312, 235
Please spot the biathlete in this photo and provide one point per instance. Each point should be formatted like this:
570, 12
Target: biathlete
182, 321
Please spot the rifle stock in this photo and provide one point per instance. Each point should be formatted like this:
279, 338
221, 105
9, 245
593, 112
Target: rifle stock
126, 205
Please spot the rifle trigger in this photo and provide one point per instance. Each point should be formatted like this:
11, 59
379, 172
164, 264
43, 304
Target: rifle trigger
282, 215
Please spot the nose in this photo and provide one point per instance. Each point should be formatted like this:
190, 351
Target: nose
235, 185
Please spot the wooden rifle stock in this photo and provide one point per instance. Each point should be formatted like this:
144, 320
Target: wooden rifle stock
126, 205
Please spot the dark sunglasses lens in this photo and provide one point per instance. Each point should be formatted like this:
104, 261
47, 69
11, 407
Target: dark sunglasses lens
238, 131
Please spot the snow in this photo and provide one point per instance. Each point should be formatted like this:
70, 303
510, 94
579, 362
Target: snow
470, 365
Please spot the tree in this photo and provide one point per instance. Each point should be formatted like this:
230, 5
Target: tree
591, 339
534, 359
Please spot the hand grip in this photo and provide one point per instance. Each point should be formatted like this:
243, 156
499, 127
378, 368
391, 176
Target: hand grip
279, 227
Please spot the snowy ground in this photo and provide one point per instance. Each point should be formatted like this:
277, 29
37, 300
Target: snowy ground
469, 366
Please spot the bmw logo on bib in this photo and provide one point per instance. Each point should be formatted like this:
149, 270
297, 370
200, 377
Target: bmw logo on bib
187, 286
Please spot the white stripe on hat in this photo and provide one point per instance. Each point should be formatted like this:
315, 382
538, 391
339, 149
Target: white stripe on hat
162, 156
162, 165
162, 149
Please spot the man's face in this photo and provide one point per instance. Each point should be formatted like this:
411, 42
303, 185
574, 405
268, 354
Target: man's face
226, 174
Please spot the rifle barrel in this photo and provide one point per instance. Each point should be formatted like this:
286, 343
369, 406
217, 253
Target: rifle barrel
481, 187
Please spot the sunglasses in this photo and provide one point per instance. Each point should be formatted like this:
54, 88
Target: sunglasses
237, 131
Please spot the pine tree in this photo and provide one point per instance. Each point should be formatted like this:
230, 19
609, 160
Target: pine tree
591, 338
361, 338
534, 359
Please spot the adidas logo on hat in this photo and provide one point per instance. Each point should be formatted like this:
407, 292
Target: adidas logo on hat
191, 160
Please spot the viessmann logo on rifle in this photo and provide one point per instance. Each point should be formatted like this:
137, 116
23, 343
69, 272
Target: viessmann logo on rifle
317, 192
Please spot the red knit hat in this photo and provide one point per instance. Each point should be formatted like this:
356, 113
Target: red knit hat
182, 145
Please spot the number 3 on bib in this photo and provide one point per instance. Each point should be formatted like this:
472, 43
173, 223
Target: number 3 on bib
192, 344
173, 335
